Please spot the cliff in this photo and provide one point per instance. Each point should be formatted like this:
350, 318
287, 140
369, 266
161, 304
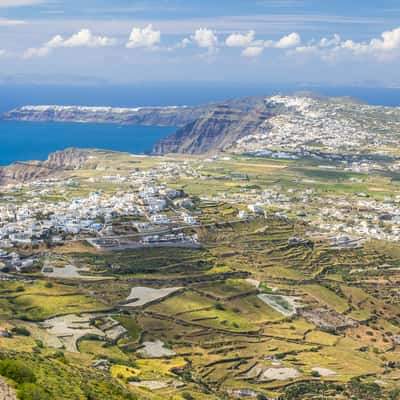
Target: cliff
59, 161
155, 116
216, 130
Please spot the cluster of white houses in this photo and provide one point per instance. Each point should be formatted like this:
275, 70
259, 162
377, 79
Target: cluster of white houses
37, 219
356, 215
307, 123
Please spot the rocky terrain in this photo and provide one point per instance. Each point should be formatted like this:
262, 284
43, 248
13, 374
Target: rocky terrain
21, 172
215, 130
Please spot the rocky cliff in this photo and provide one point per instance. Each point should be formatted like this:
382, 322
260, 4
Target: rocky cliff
217, 129
155, 116
59, 161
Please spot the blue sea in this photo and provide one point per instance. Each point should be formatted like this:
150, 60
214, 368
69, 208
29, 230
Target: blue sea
21, 141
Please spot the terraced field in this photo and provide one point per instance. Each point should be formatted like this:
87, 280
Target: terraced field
266, 308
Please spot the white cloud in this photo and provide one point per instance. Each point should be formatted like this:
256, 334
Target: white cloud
324, 44
36, 52
332, 49
252, 51
19, 3
329, 42
306, 50
145, 38
83, 38
289, 41
240, 40
55, 41
205, 38
184, 43
11, 22
390, 40
387, 44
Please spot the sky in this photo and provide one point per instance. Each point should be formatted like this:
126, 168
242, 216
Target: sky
338, 42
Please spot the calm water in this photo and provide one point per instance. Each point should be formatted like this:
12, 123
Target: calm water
21, 141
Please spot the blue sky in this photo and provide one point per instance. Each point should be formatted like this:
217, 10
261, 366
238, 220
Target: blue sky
321, 41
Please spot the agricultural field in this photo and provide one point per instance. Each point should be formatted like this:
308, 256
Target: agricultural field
268, 305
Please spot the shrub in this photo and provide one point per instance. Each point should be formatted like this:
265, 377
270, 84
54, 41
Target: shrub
187, 396
364, 391
30, 391
17, 371
21, 331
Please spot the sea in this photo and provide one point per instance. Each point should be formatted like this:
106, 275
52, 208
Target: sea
23, 141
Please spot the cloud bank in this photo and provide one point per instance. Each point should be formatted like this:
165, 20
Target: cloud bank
332, 49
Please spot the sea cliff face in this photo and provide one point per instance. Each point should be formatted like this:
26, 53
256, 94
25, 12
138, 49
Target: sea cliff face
146, 116
216, 130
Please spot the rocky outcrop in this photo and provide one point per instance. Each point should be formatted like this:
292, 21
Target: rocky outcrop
59, 161
68, 159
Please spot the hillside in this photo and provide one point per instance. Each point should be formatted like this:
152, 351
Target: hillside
295, 123
21, 172
130, 277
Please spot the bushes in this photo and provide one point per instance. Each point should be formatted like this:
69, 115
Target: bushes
24, 376
187, 396
16, 371
21, 331
364, 391
30, 391
299, 391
